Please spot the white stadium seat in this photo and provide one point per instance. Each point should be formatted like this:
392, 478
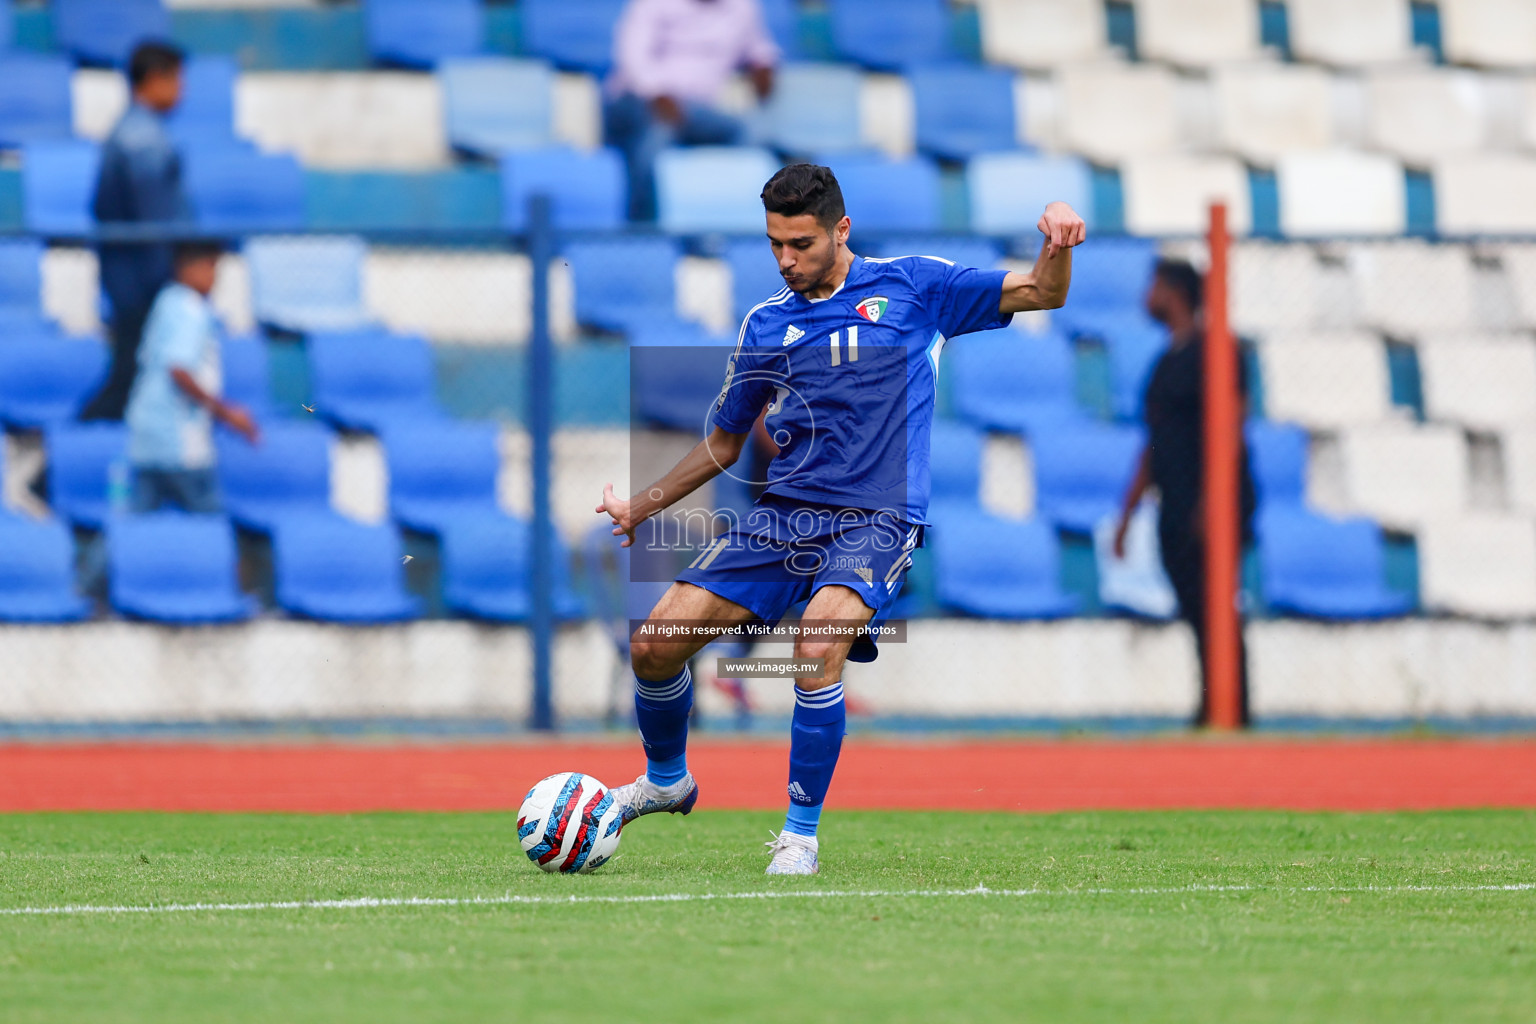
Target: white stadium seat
1518, 447
1410, 287
1485, 193
1405, 475
1519, 260
1171, 195
1490, 33
1110, 111
1481, 382
1482, 565
71, 288
1423, 114
1346, 32
98, 98
888, 115
1041, 33
576, 117
1273, 286
344, 120
1340, 192
450, 296
1264, 110
1195, 33
1325, 381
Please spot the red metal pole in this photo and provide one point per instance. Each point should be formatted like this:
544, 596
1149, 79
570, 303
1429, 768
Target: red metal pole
1223, 416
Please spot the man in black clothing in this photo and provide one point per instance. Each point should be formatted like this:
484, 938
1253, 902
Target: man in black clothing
1174, 459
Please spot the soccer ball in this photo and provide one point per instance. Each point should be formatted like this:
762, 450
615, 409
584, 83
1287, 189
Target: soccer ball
569, 823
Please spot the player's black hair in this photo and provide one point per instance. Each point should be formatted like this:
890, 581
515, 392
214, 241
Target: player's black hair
154, 57
805, 188
198, 249
1182, 277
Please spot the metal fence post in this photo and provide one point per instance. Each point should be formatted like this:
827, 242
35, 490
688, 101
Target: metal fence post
1223, 452
541, 399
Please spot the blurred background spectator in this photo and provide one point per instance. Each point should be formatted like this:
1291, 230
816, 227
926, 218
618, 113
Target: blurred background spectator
140, 181
672, 62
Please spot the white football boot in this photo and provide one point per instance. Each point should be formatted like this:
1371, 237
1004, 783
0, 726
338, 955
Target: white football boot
645, 797
792, 855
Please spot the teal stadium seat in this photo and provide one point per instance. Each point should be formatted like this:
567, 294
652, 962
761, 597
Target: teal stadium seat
496, 104
422, 33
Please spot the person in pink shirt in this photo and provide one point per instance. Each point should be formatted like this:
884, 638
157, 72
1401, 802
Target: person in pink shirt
672, 61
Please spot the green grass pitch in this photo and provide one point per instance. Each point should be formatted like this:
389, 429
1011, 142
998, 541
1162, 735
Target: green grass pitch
1124, 917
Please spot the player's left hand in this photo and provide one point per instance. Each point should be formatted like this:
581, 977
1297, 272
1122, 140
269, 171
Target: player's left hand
617, 509
1062, 228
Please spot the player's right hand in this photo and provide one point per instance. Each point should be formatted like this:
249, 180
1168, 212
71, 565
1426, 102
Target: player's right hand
617, 509
1120, 531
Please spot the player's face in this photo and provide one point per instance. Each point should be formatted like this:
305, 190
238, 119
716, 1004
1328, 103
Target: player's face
806, 251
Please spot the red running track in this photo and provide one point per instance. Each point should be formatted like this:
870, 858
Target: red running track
1345, 775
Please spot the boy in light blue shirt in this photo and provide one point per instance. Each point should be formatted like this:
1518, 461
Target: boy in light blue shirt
175, 398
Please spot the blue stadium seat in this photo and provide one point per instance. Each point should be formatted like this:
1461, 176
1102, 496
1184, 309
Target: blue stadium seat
963, 110
45, 378
997, 568
174, 567
954, 464
307, 284
234, 189
495, 104
340, 570
889, 195
105, 32
1110, 275
58, 180
1009, 191
1008, 380
34, 98
675, 374
439, 470
37, 571
586, 190
487, 569
755, 273
1133, 343
576, 35
1277, 453
206, 114
1325, 568
7, 24
1082, 469
814, 109
712, 189
420, 33
623, 283
783, 20
367, 380
21, 275
962, 249
287, 472
80, 460
246, 377
890, 35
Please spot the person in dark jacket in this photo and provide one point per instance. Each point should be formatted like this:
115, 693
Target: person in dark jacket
139, 183
1174, 458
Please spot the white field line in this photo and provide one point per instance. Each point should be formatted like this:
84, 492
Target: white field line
370, 902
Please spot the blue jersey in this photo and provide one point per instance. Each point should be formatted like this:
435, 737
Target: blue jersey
849, 380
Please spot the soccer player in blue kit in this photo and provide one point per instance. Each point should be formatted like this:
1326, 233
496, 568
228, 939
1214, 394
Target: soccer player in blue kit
844, 360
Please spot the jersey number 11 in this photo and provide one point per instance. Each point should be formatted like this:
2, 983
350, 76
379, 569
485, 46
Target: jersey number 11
837, 345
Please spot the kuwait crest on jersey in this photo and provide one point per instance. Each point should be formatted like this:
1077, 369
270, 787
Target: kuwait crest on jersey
873, 308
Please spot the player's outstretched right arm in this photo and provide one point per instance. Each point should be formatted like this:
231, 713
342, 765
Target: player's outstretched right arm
708, 459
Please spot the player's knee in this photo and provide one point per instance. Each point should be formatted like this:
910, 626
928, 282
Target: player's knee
817, 650
652, 660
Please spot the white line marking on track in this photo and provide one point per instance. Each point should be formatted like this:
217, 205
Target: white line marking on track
371, 902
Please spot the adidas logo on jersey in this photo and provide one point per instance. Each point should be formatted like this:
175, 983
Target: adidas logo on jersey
793, 334
796, 792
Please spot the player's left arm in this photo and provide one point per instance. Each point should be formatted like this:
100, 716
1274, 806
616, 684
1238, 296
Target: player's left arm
1045, 286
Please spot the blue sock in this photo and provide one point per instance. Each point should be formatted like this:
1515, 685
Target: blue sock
661, 707
815, 740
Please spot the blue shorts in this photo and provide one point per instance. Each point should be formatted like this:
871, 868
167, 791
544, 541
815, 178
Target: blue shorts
783, 551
